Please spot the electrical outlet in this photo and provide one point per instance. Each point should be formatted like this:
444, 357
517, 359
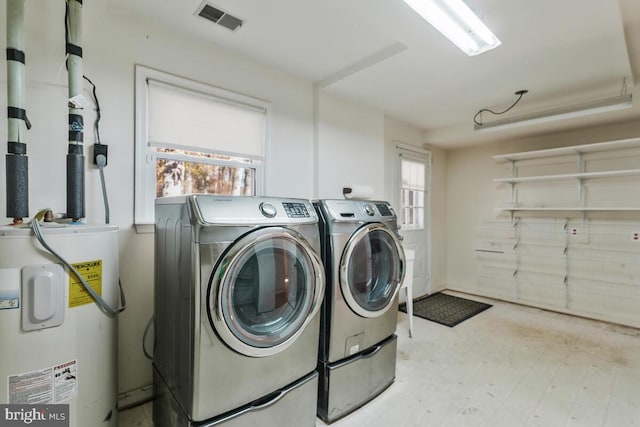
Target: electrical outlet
635, 236
580, 233
99, 149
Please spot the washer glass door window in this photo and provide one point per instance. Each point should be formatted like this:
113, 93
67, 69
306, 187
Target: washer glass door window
371, 270
270, 286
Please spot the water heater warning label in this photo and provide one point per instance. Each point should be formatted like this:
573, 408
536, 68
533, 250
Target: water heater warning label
51, 385
9, 288
91, 271
9, 300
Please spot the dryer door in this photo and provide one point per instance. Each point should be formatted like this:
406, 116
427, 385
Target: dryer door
264, 291
371, 270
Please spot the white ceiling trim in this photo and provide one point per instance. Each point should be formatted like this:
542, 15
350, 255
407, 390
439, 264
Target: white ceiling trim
362, 64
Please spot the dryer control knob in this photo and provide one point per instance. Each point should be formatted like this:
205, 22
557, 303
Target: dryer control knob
268, 210
369, 209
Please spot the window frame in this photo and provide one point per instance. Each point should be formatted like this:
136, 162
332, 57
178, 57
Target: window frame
145, 150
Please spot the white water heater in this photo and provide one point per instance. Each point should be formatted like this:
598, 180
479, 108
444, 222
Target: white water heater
56, 345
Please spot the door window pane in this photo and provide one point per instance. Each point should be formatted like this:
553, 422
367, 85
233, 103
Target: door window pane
412, 194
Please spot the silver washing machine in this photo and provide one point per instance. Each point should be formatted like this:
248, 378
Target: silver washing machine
238, 288
364, 264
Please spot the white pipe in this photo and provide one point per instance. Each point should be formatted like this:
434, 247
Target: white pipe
74, 62
15, 69
75, 156
17, 167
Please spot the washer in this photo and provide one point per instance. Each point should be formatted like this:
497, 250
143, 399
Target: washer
364, 264
238, 288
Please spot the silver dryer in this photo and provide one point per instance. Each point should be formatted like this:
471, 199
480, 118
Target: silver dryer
238, 288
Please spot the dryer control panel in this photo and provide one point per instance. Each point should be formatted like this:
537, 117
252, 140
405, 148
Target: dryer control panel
209, 209
296, 210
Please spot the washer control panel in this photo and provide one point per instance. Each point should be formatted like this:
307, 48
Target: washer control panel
296, 210
357, 210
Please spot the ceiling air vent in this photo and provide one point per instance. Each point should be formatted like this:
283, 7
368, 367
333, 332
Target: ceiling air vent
220, 17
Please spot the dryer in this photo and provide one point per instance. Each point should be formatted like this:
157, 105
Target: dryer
364, 265
238, 288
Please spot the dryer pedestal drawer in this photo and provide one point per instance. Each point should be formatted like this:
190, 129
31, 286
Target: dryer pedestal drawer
292, 405
348, 384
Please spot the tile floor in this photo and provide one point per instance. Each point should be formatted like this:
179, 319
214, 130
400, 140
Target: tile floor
508, 366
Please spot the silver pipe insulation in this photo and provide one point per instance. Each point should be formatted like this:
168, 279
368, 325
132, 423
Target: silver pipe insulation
17, 170
75, 155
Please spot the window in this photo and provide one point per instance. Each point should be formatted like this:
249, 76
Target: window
181, 172
194, 138
412, 193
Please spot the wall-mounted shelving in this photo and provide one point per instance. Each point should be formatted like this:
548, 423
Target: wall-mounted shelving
573, 149
583, 175
581, 157
570, 240
568, 209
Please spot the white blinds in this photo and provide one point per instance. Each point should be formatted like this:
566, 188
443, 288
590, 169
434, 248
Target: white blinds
413, 175
182, 118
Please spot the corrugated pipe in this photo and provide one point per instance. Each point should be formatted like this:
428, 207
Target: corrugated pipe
75, 155
16, 160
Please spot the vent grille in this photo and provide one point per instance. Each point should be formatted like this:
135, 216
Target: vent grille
218, 16
211, 13
230, 22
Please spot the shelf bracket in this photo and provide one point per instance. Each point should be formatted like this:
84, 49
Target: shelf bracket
514, 174
566, 262
516, 227
581, 193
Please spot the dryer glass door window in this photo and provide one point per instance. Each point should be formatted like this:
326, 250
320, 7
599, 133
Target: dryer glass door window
267, 294
371, 270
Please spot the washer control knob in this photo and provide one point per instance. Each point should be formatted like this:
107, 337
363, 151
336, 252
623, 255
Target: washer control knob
369, 209
268, 210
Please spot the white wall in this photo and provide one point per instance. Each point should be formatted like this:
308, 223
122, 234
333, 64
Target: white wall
351, 147
472, 195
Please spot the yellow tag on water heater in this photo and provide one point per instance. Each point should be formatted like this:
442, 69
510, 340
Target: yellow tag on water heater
91, 272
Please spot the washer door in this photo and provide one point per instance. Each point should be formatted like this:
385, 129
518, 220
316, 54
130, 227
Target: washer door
265, 290
371, 270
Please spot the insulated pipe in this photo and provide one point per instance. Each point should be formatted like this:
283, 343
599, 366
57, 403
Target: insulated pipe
17, 169
75, 155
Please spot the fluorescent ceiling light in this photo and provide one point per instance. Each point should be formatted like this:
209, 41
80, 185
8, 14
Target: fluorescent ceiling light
458, 23
595, 107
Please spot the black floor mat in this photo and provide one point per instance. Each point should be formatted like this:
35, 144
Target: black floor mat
445, 309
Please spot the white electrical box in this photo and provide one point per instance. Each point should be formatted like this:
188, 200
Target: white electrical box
42, 296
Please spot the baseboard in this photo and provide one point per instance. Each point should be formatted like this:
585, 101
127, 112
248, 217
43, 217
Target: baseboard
135, 397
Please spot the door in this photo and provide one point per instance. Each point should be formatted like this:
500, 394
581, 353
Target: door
264, 291
371, 270
412, 201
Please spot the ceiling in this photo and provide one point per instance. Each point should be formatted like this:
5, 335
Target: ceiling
381, 54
